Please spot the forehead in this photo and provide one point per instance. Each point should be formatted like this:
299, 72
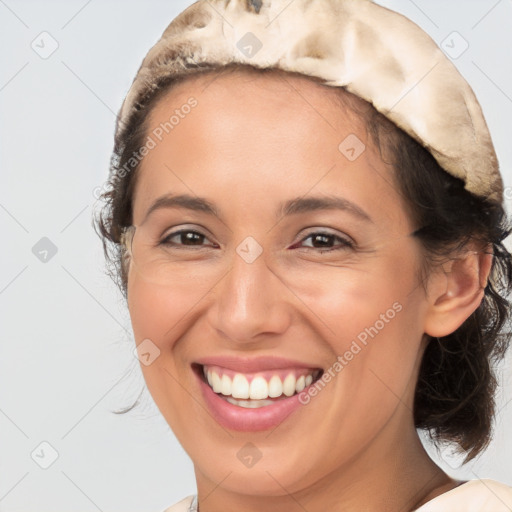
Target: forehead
262, 136
251, 110
270, 86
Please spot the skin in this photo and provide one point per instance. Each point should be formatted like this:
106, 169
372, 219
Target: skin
251, 142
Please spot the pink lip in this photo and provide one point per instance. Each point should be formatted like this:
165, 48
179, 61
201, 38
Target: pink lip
248, 420
242, 419
253, 364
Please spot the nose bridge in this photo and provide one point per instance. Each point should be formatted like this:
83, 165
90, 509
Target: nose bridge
250, 299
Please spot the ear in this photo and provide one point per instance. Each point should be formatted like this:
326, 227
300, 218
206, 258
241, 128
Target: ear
456, 292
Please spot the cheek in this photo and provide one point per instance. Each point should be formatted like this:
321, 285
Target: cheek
371, 320
157, 315
374, 337
158, 312
352, 299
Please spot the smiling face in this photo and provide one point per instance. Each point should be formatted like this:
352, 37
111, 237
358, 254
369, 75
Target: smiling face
300, 270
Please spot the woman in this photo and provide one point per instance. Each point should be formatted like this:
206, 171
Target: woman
306, 219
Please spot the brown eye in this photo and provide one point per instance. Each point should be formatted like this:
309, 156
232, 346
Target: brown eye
184, 237
327, 241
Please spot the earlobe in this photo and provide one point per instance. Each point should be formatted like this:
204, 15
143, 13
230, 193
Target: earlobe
457, 292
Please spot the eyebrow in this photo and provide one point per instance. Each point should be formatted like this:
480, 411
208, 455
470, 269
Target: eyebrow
309, 204
294, 206
199, 204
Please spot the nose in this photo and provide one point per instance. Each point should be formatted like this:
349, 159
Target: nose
250, 303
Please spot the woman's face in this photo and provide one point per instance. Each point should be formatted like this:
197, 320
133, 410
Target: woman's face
304, 267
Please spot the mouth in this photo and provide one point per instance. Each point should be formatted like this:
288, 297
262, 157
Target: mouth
250, 399
261, 389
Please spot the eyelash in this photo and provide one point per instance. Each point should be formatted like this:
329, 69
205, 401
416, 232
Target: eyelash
345, 243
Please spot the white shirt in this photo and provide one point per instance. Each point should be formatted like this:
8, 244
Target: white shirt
482, 495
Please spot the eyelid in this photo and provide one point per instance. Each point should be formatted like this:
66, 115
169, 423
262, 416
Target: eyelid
185, 229
325, 231
174, 230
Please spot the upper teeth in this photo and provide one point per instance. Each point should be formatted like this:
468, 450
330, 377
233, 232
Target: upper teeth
258, 388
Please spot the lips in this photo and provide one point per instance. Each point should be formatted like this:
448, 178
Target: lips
253, 394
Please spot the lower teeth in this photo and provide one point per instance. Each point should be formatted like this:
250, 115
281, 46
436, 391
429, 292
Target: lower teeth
248, 404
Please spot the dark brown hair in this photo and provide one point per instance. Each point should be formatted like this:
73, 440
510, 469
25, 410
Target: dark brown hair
454, 400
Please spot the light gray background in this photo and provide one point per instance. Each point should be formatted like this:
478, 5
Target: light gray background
65, 332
